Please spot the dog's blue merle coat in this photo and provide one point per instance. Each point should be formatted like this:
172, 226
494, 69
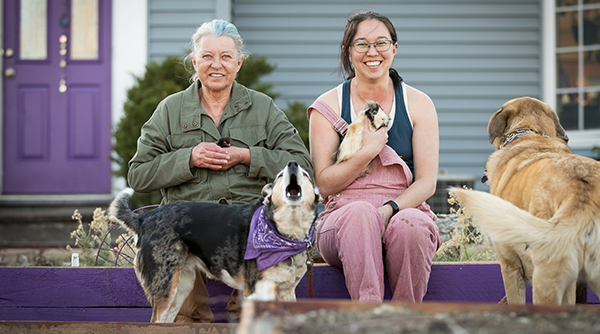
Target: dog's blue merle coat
175, 240
166, 235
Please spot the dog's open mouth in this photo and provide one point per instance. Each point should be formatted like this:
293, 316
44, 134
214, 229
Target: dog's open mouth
293, 190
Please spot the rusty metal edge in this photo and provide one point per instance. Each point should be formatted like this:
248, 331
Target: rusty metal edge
57, 327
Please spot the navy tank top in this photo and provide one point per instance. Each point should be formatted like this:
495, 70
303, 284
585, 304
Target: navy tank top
400, 135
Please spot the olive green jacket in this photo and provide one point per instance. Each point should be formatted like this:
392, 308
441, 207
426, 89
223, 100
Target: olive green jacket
179, 123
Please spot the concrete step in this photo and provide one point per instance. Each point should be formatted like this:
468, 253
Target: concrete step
44, 221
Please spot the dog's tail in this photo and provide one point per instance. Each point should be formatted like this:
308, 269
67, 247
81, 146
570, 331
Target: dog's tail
120, 211
507, 223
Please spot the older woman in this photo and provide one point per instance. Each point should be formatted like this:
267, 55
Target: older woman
379, 222
177, 151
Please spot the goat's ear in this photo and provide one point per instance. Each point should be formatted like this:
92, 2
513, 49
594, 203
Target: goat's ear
266, 192
497, 124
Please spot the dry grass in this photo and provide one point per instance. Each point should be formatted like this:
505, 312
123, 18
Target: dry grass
96, 239
467, 242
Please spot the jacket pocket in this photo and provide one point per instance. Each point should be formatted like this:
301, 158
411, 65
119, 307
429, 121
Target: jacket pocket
179, 141
248, 135
241, 169
185, 140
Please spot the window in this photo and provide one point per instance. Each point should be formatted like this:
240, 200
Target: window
84, 30
33, 30
578, 63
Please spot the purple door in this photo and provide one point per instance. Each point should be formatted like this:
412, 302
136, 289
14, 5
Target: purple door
56, 78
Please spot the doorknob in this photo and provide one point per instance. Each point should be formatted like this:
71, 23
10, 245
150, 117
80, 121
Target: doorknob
9, 52
9, 72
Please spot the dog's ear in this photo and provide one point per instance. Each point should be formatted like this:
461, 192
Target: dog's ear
560, 131
266, 193
497, 123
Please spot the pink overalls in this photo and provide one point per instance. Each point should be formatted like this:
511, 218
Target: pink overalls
349, 234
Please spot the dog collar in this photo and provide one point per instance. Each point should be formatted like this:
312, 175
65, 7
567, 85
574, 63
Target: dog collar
519, 133
269, 247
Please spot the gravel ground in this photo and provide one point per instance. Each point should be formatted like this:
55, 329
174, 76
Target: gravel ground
392, 319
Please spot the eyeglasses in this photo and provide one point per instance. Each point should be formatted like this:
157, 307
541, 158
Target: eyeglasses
381, 45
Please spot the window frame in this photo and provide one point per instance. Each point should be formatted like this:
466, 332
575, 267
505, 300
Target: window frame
578, 139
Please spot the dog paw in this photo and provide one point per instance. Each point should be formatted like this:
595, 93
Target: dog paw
264, 291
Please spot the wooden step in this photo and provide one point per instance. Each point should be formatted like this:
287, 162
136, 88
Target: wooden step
53, 327
113, 294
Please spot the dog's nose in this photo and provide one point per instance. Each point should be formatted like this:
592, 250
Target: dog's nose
292, 164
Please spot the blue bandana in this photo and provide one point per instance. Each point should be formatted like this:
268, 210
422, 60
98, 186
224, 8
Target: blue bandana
269, 247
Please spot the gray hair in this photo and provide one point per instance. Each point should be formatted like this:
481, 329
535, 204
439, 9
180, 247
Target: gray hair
218, 28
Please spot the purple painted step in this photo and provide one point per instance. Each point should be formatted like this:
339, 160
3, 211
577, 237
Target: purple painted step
113, 294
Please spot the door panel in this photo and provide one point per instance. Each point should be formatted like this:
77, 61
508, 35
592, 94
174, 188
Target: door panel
83, 127
56, 129
32, 123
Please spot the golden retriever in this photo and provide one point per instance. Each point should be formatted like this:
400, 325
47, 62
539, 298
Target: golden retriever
543, 210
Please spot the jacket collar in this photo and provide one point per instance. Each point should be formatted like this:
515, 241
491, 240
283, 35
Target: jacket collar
192, 112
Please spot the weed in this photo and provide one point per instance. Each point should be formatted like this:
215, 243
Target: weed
95, 240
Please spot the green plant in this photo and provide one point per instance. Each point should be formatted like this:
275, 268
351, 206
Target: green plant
158, 81
252, 70
296, 113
